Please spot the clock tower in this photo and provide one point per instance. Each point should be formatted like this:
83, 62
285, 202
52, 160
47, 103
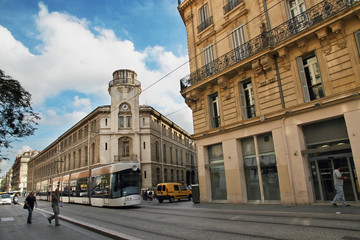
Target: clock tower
125, 90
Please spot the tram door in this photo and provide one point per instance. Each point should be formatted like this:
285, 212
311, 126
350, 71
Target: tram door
322, 175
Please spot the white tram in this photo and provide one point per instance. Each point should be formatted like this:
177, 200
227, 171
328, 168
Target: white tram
115, 185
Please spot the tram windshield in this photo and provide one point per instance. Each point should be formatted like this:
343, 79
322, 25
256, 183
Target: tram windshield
125, 183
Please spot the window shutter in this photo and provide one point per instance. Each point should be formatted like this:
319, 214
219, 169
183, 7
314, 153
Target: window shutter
299, 62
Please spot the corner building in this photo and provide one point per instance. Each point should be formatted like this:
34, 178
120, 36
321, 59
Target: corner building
274, 90
121, 132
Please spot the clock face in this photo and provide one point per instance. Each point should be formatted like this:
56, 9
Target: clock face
125, 107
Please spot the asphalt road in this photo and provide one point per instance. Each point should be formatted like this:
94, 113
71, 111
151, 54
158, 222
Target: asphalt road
185, 220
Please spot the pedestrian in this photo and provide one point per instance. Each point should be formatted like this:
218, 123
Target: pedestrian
30, 201
55, 199
339, 187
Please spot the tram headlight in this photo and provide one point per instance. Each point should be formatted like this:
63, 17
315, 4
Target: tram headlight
134, 168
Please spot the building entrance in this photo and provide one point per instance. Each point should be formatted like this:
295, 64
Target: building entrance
322, 177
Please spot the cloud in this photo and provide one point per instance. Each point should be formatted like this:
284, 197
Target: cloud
74, 57
82, 102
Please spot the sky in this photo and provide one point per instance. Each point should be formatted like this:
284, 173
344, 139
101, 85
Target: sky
63, 52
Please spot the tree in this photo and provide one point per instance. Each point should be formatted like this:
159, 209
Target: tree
17, 117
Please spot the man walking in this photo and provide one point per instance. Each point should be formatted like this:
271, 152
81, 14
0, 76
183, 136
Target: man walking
55, 198
339, 187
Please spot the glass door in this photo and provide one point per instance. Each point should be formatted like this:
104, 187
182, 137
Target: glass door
322, 177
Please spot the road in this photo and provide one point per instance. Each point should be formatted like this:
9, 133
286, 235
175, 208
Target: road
185, 220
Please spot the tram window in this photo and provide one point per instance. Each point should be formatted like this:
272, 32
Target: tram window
100, 186
81, 187
116, 188
72, 188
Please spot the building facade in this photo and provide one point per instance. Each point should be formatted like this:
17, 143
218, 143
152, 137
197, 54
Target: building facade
20, 171
275, 93
122, 131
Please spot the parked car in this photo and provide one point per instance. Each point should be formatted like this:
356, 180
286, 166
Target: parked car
172, 191
5, 199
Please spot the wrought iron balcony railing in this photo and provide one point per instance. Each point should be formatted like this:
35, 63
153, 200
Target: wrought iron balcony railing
312, 16
231, 5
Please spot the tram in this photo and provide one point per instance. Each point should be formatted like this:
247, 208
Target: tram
113, 185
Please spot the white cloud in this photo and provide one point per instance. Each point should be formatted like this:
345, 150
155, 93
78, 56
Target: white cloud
84, 103
74, 57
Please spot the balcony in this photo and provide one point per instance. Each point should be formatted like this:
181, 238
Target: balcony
125, 158
318, 13
231, 5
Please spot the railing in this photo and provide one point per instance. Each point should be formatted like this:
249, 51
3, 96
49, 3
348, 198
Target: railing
312, 16
231, 5
124, 81
204, 24
125, 158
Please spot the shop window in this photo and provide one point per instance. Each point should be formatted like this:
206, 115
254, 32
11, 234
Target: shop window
262, 161
217, 172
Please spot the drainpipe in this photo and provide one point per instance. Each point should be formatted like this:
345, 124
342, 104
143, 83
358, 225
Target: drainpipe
279, 81
288, 159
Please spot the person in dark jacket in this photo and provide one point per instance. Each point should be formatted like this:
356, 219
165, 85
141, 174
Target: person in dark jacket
30, 201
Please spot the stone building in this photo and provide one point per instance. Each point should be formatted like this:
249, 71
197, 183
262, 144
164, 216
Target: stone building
20, 171
122, 131
275, 93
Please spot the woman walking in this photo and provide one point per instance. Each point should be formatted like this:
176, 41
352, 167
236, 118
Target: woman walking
30, 201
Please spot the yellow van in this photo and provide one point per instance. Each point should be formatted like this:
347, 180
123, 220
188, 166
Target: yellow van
172, 191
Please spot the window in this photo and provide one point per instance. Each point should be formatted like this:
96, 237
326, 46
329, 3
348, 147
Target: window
214, 111
357, 39
230, 5
105, 146
164, 153
296, 7
238, 40
299, 18
204, 18
310, 77
209, 60
157, 155
247, 99
121, 122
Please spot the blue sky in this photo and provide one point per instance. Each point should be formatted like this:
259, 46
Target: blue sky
64, 53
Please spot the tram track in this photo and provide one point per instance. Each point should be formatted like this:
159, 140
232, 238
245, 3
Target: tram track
164, 217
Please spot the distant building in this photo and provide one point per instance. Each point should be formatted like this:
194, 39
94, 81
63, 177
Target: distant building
122, 131
275, 93
20, 171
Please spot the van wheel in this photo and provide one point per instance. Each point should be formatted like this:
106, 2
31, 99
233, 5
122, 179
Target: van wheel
160, 200
189, 197
172, 200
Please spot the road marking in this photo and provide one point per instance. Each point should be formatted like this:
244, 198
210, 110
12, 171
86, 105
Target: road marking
7, 219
